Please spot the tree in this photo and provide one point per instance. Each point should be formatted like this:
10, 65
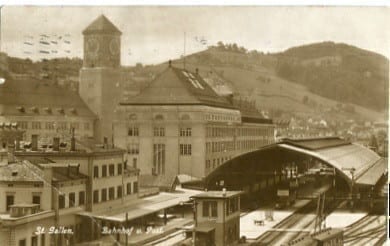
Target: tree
220, 45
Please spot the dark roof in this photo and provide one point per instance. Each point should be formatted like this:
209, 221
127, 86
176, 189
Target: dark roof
67, 173
31, 97
179, 87
258, 120
101, 25
316, 143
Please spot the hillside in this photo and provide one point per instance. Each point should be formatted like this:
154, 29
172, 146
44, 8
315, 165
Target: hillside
325, 80
337, 85
338, 71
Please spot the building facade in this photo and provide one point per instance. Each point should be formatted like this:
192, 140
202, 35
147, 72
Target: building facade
179, 125
53, 189
39, 108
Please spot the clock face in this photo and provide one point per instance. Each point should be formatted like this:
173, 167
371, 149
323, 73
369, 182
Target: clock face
114, 46
92, 45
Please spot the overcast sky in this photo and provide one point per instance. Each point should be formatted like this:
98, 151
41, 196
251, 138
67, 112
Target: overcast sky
155, 34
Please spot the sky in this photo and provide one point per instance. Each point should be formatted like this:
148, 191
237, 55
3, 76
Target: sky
154, 34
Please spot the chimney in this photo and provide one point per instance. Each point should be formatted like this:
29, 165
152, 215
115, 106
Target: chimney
34, 142
73, 142
56, 144
17, 145
105, 142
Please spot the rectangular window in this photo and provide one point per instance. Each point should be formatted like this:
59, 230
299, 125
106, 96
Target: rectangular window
214, 209
185, 149
96, 172
95, 196
128, 188
22, 124
43, 241
206, 209
104, 195
119, 191
36, 199
111, 193
61, 201
158, 159
119, 168
133, 131
104, 171
22, 242
49, 125
81, 198
111, 169
159, 131
86, 126
133, 148
75, 125
72, 199
135, 187
185, 132
9, 201
210, 209
36, 125
135, 162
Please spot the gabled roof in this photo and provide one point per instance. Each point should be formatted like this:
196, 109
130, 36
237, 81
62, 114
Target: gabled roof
179, 87
32, 97
101, 25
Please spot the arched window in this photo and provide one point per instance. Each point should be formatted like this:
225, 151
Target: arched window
185, 117
159, 117
132, 117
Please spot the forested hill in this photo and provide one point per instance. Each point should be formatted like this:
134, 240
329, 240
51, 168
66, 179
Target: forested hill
338, 71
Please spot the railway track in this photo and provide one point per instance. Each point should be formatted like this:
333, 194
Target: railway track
295, 226
369, 230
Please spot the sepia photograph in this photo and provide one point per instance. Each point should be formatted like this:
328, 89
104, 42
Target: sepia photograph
203, 125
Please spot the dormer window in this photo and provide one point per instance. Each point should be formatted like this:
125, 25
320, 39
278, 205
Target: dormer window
34, 109
60, 110
21, 109
185, 117
133, 117
73, 111
48, 110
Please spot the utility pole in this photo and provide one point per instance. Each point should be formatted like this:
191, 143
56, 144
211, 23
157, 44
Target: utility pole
352, 172
184, 52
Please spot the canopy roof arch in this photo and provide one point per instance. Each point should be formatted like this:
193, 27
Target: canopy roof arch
351, 161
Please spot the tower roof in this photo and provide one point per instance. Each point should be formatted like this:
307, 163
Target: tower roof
101, 25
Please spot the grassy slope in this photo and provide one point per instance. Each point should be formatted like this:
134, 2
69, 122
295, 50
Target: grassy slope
280, 93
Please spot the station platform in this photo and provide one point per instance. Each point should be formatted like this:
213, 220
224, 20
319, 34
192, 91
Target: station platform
252, 230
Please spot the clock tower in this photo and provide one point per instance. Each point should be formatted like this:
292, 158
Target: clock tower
100, 76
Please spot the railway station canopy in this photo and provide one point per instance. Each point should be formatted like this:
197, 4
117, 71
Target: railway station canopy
354, 163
